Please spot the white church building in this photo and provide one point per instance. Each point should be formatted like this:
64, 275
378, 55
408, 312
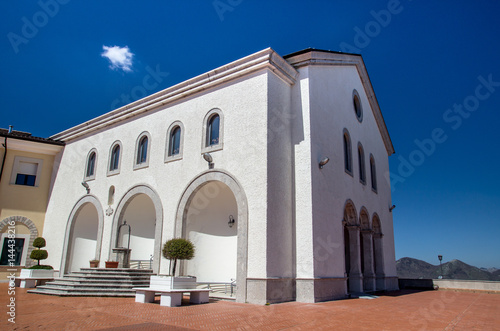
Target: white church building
272, 166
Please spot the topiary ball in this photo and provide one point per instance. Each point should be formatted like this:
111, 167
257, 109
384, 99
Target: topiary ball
178, 248
39, 254
39, 242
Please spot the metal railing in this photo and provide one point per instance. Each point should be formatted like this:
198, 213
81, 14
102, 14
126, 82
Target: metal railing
141, 264
220, 286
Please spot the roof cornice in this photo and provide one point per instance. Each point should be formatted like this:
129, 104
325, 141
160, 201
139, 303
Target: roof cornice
315, 57
14, 143
265, 59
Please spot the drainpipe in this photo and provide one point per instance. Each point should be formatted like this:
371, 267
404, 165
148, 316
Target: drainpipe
4, 153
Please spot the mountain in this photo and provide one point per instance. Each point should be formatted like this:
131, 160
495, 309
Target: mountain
412, 268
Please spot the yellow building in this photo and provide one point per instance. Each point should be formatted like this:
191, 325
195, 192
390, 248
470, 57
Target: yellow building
26, 172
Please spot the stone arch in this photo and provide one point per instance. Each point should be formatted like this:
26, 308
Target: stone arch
120, 211
33, 233
242, 231
350, 214
364, 219
71, 224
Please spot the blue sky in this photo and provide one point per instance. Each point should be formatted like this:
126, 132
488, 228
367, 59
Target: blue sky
434, 66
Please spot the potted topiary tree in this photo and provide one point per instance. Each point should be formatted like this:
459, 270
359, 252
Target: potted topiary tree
38, 254
173, 250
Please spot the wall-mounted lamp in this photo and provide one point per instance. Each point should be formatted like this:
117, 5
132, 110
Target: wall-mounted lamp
86, 187
323, 162
231, 221
391, 208
209, 159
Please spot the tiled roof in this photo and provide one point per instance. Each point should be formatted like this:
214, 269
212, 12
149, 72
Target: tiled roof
27, 136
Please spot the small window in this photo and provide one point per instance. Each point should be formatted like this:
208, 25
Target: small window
358, 110
26, 171
213, 131
90, 169
373, 173
361, 164
347, 153
115, 158
142, 148
12, 252
174, 142
91, 165
142, 152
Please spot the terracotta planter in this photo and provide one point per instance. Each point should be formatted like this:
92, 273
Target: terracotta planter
94, 264
111, 264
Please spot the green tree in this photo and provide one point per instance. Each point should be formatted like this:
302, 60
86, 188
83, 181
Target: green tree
39, 254
178, 249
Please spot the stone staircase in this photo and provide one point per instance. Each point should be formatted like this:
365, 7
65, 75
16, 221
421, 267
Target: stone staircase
98, 282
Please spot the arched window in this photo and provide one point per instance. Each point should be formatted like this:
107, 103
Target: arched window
358, 110
90, 169
361, 164
373, 173
347, 153
142, 151
174, 144
213, 130
175, 141
115, 158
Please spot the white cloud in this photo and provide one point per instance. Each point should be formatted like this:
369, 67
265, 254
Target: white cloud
120, 57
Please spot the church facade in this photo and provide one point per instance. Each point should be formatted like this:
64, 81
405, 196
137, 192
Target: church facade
272, 166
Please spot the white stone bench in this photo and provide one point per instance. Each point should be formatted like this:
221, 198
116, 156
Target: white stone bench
170, 297
30, 282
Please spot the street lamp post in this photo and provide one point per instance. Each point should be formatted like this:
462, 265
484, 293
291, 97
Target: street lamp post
440, 257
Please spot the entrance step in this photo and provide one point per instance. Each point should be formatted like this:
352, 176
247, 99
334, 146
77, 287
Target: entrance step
97, 282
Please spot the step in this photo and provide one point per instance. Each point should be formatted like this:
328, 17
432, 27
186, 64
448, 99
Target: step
97, 282
83, 294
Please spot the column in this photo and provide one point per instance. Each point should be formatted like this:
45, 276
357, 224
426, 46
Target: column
368, 273
379, 261
355, 277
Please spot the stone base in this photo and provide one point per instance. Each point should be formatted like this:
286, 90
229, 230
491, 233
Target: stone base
172, 283
312, 290
35, 273
369, 284
391, 284
270, 290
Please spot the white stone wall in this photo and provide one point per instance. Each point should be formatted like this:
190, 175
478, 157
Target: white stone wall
243, 104
275, 132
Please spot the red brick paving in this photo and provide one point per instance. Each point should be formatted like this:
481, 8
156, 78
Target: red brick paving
401, 310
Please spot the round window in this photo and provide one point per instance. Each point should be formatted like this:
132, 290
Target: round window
358, 110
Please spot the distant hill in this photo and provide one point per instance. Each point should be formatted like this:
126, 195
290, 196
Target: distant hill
456, 269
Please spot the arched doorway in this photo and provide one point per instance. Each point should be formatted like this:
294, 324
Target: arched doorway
140, 214
352, 249
141, 208
366, 246
83, 235
210, 227
378, 254
203, 214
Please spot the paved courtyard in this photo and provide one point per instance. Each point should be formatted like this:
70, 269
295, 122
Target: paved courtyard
401, 310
